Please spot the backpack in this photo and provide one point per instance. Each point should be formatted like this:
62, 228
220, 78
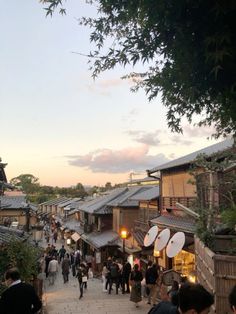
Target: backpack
114, 270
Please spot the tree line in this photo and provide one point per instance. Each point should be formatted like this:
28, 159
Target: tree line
37, 193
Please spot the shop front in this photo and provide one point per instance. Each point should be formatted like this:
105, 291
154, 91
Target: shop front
183, 262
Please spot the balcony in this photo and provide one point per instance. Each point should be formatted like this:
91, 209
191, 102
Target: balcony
170, 202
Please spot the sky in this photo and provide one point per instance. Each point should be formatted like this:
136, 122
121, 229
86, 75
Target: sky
60, 125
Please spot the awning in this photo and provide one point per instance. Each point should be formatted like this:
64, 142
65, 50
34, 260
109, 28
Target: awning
139, 236
101, 239
75, 236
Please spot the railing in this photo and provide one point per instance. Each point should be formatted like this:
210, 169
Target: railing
170, 202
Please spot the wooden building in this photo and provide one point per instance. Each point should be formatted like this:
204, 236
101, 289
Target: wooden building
176, 193
15, 211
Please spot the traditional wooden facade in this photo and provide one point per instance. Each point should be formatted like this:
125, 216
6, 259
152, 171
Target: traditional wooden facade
17, 212
178, 192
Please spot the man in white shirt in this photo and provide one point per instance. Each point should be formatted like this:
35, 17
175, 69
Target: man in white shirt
52, 270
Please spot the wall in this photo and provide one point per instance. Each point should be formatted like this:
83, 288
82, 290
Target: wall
176, 184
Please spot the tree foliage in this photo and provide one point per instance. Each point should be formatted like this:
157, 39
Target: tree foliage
21, 255
37, 193
215, 179
28, 183
188, 47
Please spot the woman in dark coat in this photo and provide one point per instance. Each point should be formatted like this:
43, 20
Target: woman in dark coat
136, 277
65, 267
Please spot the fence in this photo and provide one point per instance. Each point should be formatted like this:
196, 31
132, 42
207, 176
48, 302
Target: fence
217, 273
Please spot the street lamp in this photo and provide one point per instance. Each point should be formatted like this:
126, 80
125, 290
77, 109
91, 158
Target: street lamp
123, 235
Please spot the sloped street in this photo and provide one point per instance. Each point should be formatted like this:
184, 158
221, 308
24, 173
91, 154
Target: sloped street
63, 298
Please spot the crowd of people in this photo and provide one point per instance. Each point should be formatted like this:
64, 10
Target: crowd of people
189, 298
117, 275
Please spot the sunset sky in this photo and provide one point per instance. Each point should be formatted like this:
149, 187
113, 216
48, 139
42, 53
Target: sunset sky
60, 125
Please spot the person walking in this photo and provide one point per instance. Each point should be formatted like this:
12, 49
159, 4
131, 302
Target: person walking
108, 278
82, 278
151, 277
72, 263
47, 260
125, 277
55, 235
114, 276
77, 257
104, 276
65, 267
61, 253
52, 270
19, 297
120, 281
136, 277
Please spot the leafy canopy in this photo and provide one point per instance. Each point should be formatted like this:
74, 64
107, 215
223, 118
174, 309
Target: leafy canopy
21, 255
188, 47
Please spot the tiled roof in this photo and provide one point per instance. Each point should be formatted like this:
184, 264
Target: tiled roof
99, 205
101, 239
7, 234
210, 150
147, 195
55, 201
68, 202
12, 202
127, 199
184, 224
73, 224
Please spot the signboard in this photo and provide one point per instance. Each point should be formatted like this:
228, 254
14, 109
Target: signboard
98, 257
75, 236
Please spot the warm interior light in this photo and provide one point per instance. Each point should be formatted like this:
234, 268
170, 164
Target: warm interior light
123, 234
156, 253
192, 276
68, 241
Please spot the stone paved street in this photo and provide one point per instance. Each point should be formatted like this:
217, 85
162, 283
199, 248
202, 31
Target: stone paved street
64, 298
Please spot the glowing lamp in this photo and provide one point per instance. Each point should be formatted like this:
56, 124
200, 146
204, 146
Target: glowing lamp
156, 253
123, 233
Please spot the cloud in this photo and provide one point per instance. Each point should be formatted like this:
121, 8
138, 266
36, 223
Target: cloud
147, 138
191, 131
181, 139
104, 86
159, 138
118, 161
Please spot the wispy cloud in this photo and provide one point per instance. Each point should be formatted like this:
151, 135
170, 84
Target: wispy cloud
118, 161
191, 131
147, 138
181, 139
104, 86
